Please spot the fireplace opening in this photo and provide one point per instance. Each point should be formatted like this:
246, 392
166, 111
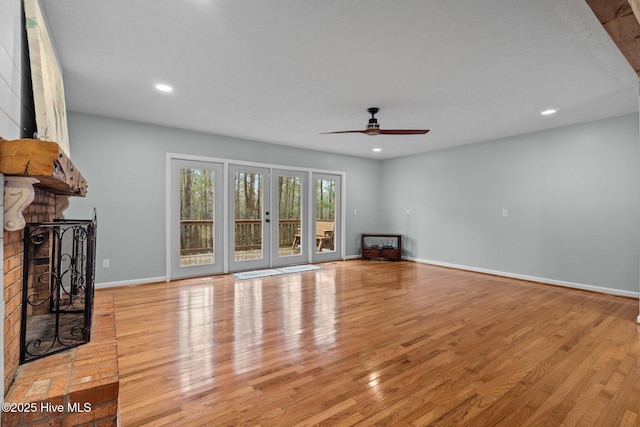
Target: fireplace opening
57, 287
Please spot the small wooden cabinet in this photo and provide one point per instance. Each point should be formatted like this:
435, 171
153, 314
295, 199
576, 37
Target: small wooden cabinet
381, 246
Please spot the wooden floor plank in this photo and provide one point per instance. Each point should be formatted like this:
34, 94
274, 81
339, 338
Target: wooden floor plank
375, 343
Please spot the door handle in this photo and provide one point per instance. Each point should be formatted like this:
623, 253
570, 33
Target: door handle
267, 220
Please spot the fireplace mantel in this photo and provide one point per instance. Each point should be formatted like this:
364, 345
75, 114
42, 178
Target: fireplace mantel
29, 162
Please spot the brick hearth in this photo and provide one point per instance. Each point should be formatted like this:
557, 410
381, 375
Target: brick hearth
79, 387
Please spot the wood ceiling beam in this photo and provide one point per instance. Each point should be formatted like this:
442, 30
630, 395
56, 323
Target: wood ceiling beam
623, 26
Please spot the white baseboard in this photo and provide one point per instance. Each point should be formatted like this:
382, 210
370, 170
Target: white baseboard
352, 257
130, 282
600, 289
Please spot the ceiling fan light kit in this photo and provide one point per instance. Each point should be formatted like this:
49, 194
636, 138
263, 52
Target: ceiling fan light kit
373, 128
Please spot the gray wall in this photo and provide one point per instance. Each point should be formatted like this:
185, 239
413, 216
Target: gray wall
572, 196
124, 164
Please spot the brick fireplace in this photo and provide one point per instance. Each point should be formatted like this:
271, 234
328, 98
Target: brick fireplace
75, 387
42, 209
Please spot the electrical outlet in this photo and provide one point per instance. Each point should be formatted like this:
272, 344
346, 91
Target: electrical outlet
505, 213
105, 263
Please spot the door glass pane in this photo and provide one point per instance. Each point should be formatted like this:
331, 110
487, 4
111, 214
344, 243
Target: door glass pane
325, 215
196, 216
248, 215
290, 213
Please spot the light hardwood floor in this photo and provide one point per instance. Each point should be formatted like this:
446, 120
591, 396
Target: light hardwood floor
376, 343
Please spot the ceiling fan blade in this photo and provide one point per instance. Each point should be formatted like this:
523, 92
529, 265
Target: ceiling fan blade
344, 131
403, 131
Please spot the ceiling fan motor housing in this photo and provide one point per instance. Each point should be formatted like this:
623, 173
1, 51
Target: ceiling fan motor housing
372, 127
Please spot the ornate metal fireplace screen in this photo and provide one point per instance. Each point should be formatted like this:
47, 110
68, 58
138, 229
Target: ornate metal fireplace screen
57, 292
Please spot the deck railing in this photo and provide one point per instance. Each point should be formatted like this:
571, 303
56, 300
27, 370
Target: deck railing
197, 236
287, 231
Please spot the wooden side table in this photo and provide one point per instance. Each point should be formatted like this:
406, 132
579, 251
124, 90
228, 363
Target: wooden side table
382, 246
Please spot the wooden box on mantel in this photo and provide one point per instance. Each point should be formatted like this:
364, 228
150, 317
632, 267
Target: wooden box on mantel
45, 161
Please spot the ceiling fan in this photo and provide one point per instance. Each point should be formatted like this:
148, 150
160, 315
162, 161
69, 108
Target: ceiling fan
373, 128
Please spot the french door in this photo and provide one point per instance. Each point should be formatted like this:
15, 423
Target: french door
289, 201
268, 213
228, 217
249, 218
196, 218
327, 214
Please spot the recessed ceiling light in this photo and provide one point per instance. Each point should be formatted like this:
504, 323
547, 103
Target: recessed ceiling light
548, 112
164, 88
377, 150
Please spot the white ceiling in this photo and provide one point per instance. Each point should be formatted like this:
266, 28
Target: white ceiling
282, 71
